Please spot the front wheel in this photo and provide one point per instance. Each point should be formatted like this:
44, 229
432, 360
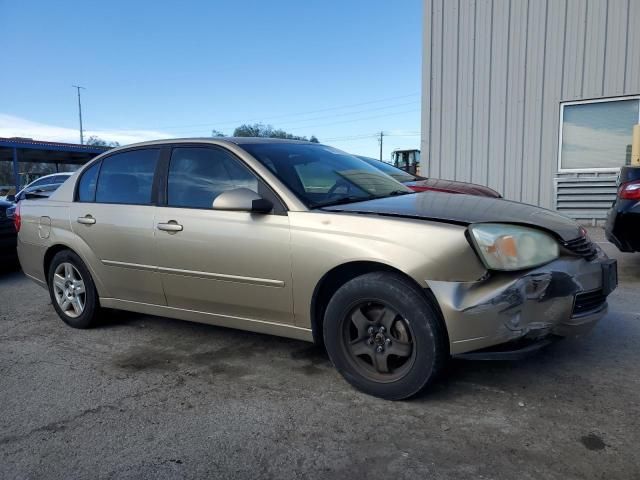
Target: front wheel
73, 293
384, 336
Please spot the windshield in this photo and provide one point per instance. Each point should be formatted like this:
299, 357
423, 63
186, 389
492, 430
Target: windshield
320, 175
399, 175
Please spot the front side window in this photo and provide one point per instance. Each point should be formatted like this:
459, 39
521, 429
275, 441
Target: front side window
127, 177
320, 175
597, 135
198, 175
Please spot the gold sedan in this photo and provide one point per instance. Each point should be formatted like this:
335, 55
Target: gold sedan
305, 241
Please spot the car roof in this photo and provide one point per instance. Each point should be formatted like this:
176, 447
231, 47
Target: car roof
229, 140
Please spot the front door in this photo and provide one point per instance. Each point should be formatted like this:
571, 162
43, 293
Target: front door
233, 264
114, 215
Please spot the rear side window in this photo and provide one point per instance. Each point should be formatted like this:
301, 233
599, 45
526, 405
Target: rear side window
42, 181
198, 175
87, 185
127, 177
60, 179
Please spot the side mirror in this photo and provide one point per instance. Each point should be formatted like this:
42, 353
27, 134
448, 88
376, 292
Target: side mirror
242, 200
11, 198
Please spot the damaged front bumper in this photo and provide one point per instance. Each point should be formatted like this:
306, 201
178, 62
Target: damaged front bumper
565, 297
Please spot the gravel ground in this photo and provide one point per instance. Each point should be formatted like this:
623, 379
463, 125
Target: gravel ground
146, 397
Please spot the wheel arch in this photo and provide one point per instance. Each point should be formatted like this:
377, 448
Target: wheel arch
49, 254
341, 274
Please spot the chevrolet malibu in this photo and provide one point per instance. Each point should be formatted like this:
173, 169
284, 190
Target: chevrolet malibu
305, 241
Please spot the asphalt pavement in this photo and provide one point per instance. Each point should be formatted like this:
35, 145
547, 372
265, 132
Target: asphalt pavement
147, 397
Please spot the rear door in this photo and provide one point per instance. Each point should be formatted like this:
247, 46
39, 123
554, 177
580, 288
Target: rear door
230, 263
114, 214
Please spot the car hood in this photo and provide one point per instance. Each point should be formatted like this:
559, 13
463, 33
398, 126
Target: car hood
464, 209
452, 186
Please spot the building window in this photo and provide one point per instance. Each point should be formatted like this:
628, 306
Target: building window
596, 135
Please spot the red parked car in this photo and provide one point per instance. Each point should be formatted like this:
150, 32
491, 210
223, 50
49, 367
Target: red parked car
421, 184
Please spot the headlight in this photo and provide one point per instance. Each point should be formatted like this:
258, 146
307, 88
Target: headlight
511, 247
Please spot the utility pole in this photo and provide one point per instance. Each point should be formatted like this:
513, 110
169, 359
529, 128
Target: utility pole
78, 87
380, 140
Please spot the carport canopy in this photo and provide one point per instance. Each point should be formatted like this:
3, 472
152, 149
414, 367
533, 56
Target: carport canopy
22, 160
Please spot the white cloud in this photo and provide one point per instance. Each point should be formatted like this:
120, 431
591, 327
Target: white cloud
11, 126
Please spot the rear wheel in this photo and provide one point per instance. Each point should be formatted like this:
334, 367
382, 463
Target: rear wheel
73, 293
384, 336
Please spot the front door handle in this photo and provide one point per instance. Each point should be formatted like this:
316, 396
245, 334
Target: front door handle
171, 226
86, 220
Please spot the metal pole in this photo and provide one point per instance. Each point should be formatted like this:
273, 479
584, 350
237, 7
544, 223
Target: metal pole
16, 173
381, 135
78, 87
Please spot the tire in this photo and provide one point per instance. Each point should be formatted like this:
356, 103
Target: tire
73, 293
385, 336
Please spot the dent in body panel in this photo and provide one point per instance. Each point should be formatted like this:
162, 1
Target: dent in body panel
423, 250
507, 306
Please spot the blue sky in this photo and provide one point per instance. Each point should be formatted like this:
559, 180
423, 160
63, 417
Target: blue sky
335, 69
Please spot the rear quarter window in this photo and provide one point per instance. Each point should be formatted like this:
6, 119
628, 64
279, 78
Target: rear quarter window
87, 184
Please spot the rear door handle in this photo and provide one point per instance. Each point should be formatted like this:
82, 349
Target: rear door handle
171, 226
86, 220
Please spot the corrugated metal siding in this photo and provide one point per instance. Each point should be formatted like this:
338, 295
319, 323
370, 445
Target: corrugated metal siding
495, 73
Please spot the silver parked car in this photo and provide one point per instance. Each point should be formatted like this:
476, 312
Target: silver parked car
306, 241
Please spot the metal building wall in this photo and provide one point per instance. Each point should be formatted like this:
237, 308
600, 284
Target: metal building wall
495, 72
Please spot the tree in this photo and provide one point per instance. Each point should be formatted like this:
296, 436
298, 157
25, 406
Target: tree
217, 133
98, 142
255, 130
267, 131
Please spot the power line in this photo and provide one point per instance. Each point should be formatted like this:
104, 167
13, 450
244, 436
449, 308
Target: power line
354, 113
236, 122
307, 127
349, 137
342, 114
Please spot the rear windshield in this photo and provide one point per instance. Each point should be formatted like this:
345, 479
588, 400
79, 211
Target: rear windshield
396, 173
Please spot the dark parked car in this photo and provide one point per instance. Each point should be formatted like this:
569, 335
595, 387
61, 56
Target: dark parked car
623, 221
422, 184
8, 235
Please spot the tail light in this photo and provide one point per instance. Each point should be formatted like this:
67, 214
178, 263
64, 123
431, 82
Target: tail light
17, 219
630, 190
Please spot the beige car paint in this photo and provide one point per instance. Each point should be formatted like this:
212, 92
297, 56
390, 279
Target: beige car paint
232, 263
122, 242
252, 271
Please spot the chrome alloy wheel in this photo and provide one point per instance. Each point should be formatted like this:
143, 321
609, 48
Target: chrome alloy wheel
69, 291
